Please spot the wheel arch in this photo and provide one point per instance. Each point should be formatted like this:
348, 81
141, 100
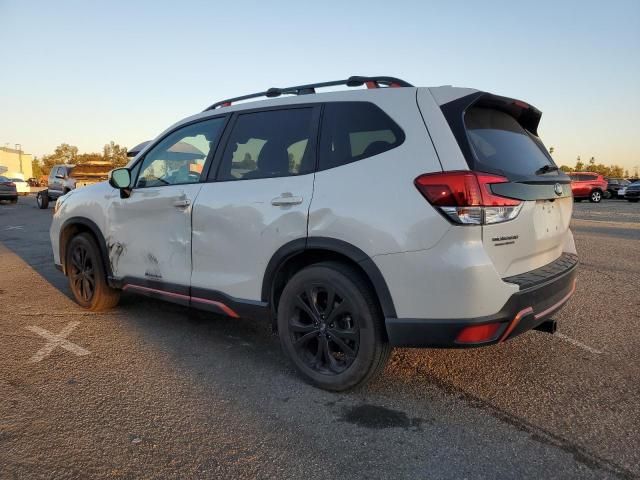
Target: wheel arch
76, 225
300, 253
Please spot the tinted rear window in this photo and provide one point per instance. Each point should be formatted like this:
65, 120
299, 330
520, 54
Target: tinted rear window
353, 131
502, 145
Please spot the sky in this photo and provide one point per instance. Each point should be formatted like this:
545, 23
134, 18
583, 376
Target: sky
86, 73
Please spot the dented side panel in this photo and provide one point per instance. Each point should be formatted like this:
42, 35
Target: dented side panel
149, 233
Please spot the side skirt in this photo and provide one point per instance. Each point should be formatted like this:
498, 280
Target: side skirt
200, 298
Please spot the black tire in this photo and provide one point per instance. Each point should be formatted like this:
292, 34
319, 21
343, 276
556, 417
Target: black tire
595, 196
334, 347
577, 200
87, 278
42, 200
609, 194
633, 200
14, 200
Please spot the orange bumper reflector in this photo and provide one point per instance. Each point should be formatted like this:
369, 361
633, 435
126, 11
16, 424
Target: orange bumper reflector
478, 333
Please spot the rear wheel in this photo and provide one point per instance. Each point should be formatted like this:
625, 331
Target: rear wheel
595, 196
43, 200
87, 277
14, 200
633, 200
331, 326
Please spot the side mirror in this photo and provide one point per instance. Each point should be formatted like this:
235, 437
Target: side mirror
60, 176
120, 178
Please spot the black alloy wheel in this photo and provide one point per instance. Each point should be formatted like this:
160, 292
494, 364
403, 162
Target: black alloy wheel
331, 326
82, 273
323, 329
87, 277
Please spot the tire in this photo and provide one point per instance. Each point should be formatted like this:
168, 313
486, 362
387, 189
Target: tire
332, 353
577, 200
14, 200
633, 200
43, 200
595, 196
608, 194
87, 278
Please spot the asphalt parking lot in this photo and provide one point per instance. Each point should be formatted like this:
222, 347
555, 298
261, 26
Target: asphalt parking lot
153, 390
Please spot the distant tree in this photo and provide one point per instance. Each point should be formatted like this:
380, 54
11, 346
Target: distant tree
551, 150
626, 173
592, 161
579, 165
64, 153
114, 153
36, 168
565, 168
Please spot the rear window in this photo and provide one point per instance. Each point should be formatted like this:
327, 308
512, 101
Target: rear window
501, 144
353, 131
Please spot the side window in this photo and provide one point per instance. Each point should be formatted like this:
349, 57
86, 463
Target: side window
180, 157
275, 143
353, 131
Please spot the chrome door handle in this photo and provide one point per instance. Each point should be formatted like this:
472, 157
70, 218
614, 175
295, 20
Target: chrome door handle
182, 203
286, 199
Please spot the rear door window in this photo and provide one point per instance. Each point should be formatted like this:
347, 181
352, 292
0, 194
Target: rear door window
501, 144
354, 131
273, 143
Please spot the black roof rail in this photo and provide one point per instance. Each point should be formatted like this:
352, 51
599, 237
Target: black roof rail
355, 81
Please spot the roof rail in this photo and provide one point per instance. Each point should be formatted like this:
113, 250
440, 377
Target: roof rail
355, 81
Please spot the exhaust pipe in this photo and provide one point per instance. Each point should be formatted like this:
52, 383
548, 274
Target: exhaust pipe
548, 326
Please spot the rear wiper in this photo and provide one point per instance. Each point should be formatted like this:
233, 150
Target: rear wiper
546, 168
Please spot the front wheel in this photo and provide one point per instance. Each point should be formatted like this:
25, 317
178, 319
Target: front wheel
43, 200
331, 326
595, 196
87, 278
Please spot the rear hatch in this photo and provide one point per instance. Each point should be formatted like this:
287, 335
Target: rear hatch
498, 136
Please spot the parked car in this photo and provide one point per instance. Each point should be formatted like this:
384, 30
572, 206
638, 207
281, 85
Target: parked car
22, 187
588, 185
64, 178
632, 192
8, 190
621, 192
33, 182
614, 185
353, 221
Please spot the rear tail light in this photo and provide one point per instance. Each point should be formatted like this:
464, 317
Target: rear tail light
465, 197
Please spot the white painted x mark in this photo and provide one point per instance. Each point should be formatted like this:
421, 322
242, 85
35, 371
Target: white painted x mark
14, 227
59, 340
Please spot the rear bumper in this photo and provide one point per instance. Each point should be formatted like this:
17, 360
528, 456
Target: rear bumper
524, 311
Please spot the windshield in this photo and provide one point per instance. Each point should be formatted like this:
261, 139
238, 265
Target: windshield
501, 144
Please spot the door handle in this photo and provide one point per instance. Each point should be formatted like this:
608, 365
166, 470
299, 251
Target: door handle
285, 200
182, 203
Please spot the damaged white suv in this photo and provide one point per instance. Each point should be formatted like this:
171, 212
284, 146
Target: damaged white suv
353, 220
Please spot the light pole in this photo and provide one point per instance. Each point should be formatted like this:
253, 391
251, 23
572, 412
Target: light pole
19, 148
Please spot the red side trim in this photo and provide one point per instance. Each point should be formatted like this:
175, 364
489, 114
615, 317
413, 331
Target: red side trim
153, 290
229, 311
514, 323
226, 104
371, 84
220, 305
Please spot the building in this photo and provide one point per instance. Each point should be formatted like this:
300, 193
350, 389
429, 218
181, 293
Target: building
16, 161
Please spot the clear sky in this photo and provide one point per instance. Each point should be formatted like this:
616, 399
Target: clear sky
86, 72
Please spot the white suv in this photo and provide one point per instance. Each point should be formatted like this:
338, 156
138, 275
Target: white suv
353, 220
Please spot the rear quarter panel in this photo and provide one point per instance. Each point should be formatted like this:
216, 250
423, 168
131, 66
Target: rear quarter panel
373, 203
